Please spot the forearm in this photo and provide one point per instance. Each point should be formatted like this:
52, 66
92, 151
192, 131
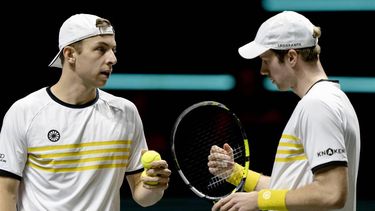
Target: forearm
315, 197
263, 183
8, 194
144, 194
147, 197
327, 191
7, 203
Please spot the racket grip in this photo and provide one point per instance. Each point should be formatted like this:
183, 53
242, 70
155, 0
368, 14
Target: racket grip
252, 178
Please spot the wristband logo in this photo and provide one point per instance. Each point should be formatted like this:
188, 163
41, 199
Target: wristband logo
267, 195
330, 152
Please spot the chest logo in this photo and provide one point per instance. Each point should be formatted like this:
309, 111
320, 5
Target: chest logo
53, 135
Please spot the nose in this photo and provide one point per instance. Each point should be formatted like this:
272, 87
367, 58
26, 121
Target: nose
112, 59
263, 70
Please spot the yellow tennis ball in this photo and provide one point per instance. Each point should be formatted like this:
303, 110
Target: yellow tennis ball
148, 157
144, 174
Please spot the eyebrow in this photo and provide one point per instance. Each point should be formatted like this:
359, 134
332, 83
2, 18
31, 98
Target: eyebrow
105, 44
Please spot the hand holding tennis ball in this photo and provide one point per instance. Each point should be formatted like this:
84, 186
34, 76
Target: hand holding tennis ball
147, 158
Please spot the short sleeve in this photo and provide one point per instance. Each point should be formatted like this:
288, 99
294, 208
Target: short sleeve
138, 143
323, 137
13, 150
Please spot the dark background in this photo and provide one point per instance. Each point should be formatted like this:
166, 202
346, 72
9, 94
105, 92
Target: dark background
192, 38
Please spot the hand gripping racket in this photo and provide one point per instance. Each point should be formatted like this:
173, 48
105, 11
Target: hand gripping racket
199, 127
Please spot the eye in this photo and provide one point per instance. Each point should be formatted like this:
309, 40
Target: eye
101, 49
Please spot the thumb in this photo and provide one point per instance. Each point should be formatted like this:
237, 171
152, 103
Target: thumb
228, 149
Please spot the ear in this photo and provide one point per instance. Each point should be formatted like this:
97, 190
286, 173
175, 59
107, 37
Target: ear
69, 54
292, 57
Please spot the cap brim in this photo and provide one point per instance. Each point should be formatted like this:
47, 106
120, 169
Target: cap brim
252, 50
56, 62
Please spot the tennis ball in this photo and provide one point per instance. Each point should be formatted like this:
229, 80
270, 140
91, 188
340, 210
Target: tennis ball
148, 157
144, 174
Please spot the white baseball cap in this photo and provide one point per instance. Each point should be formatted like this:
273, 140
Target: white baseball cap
76, 28
286, 30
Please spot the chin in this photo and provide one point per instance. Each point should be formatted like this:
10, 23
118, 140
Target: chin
101, 84
282, 88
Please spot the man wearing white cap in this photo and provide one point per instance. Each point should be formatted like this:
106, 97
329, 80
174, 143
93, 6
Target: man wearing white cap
69, 146
317, 159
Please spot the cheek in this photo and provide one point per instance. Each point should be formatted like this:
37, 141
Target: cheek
88, 63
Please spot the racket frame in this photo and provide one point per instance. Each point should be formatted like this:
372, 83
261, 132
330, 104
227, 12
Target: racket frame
240, 186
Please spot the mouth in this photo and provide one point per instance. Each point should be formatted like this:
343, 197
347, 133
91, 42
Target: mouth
106, 73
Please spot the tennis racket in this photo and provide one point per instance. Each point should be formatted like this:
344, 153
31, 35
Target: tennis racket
199, 127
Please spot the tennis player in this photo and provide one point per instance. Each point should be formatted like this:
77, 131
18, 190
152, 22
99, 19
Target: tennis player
69, 146
316, 162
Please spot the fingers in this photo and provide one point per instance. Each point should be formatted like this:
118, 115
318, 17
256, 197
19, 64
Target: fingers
219, 154
228, 149
220, 161
220, 157
157, 176
153, 179
223, 204
158, 172
162, 164
216, 149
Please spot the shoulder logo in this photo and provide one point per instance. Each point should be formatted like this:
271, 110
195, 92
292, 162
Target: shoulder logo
2, 158
53, 135
330, 152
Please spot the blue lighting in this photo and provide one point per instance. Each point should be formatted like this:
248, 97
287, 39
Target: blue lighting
217, 82
319, 5
348, 84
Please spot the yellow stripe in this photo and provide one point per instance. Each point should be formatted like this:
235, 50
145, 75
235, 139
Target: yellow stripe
290, 137
88, 152
285, 144
75, 169
290, 159
83, 160
71, 146
290, 151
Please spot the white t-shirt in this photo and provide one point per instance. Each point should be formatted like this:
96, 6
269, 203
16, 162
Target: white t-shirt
323, 130
71, 157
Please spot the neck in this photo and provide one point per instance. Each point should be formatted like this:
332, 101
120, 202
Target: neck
73, 93
307, 77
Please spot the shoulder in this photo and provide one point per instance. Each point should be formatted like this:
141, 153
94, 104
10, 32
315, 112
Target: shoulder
33, 100
327, 94
326, 99
25, 109
116, 101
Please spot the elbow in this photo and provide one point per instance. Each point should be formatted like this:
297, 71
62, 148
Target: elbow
144, 203
338, 200
148, 200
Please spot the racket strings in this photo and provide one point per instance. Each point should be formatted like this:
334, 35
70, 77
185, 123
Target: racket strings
195, 133
220, 178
